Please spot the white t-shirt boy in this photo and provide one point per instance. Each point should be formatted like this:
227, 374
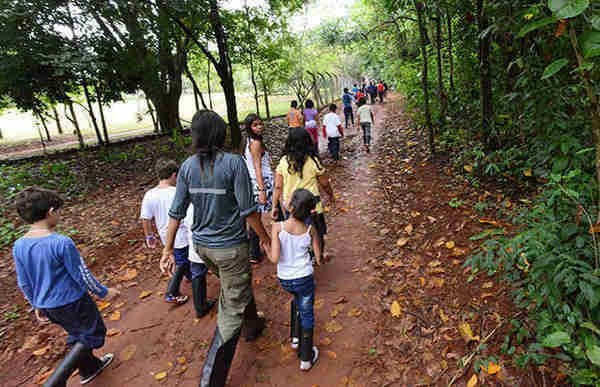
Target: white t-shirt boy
332, 124
364, 114
156, 205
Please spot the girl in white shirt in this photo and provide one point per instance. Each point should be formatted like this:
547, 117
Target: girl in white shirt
291, 241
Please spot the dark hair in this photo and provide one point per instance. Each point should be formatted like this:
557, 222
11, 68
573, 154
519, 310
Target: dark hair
309, 104
165, 168
33, 203
362, 101
298, 148
250, 118
294, 104
332, 107
302, 203
208, 136
345, 89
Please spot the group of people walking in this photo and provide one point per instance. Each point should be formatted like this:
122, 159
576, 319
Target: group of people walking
208, 215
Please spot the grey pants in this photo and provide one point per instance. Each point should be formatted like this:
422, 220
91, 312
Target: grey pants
366, 127
232, 267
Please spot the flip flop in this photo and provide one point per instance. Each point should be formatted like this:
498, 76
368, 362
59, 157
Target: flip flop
177, 300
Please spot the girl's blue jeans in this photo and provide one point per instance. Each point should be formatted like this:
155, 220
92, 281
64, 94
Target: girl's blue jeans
303, 290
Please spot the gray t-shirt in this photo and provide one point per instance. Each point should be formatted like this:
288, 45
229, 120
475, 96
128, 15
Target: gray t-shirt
222, 200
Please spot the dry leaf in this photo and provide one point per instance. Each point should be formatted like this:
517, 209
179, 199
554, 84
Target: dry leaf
115, 316
466, 332
473, 381
595, 229
487, 285
414, 214
41, 351
145, 294
528, 172
489, 221
459, 252
332, 355
443, 316
160, 375
102, 305
325, 341
41, 379
402, 242
409, 229
450, 245
181, 370
181, 360
333, 326
468, 168
336, 310
355, 312
340, 300
395, 309
435, 263
319, 303
129, 275
120, 304
127, 352
438, 282
492, 368
388, 263
422, 281
113, 332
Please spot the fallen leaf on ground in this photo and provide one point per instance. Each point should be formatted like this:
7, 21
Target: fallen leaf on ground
434, 263
450, 245
127, 352
443, 316
181, 370
113, 332
102, 305
395, 309
181, 360
422, 281
488, 285
115, 316
409, 229
355, 312
466, 332
120, 304
333, 326
325, 341
145, 294
459, 252
332, 355
336, 310
41, 379
129, 275
438, 282
528, 172
41, 351
319, 303
402, 242
160, 375
489, 221
492, 368
468, 168
414, 214
473, 381
340, 300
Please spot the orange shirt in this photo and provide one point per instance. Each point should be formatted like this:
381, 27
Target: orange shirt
294, 118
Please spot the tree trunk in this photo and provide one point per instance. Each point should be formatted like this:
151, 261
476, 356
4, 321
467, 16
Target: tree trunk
438, 47
253, 78
92, 115
75, 123
485, 77
197, 93
40, 117
450, 51
167, 112
424, 80
210, 101
266, 98
57, 120
151, 112
102, 119
225, 73
1, 135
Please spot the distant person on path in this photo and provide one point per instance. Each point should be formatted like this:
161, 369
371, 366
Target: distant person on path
366, 119
56, 282
312, 121
291, 242
372, 92
385, 89
380, 91
333, 131
258, 161
218, 184
294, 116
347, 100
300, 167
355, 89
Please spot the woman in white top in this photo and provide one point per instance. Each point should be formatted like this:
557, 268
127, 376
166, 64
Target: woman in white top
258, 161
291, 241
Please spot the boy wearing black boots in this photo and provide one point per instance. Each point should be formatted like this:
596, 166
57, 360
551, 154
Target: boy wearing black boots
56, 282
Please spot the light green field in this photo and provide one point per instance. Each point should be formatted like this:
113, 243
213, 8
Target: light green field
130, 116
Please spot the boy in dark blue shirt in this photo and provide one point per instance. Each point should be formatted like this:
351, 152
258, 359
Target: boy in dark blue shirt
56, 282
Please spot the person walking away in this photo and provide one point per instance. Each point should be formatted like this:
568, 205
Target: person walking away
347, 101
385, 88
366, 119
56, 282
355, 89
300, 167
333, 131
294, 116
312, 121
372, 92
218, 185
290, 243
380, 91
258, 161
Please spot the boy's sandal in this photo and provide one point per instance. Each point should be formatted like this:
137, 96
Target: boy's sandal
178, 300
255, 260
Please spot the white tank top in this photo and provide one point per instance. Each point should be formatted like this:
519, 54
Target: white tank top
294, 261
265, 162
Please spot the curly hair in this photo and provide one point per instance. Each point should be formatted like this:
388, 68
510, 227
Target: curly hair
298, 148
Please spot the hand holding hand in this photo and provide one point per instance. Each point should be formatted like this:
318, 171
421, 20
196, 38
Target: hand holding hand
41, 317
167, 261
275, 213
262, 197
112, 294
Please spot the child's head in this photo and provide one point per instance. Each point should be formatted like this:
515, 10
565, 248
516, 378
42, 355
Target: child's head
345, 89
35, 204
309, 104
208, 135
294, 104
302, 204
298, 148
166, 169
362, 101
332, 107
254, 126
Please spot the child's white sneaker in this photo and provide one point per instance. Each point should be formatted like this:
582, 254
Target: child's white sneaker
307, 365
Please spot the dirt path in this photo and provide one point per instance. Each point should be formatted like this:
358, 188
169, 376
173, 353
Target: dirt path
393, 239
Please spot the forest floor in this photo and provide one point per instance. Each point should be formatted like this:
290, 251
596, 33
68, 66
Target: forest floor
394, 304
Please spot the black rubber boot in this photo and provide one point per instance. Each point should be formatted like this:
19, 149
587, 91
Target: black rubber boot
67, 366
294, 326
218, 361
309, 354
253, 324
201, 303
175, 282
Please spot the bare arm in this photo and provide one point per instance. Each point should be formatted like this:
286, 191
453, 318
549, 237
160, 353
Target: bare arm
167, 262
275, 244
255, 222
326, 185
256, 151
277, 193
315, 244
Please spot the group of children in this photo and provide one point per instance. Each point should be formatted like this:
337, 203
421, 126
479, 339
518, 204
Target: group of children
57, 283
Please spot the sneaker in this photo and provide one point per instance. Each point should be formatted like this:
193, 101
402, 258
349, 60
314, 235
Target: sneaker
307, 365
104, 362
177, 300
295, 343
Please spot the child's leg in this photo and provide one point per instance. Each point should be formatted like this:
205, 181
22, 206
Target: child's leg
255, 251
201, 304
306, 299
182, 269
